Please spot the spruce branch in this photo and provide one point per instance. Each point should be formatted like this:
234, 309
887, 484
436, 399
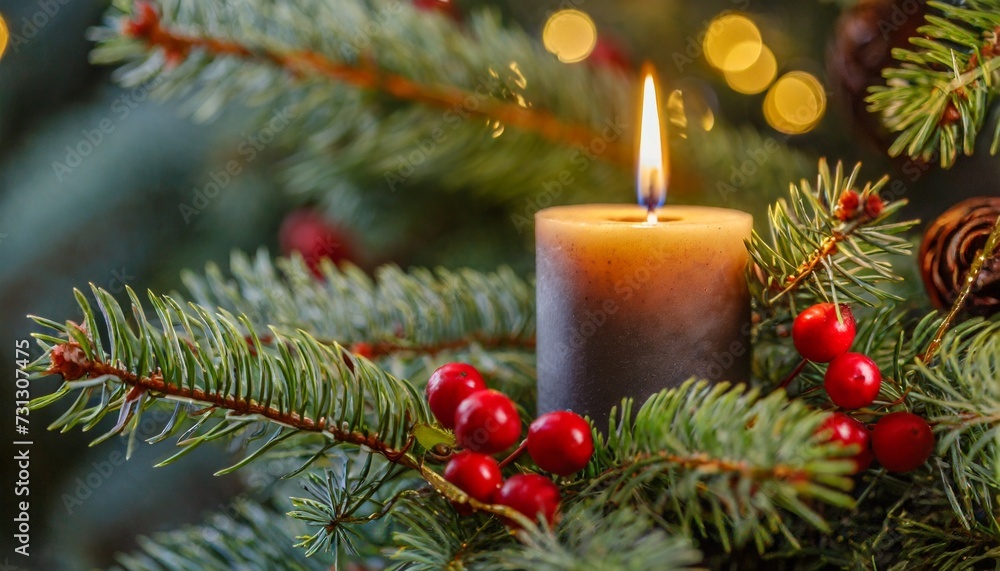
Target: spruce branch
147, 27
939, 97
592, 535
722, 460
821, 250
200, 357
250, 537
417, 312
960, 396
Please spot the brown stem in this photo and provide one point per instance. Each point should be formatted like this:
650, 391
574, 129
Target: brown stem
791, 376
805, 269
513, 455
147, 26
705, 463
70, 361
383, 348
992, 242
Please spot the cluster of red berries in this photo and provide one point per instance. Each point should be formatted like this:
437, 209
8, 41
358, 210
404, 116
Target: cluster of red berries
900, 441
486, 422
852, 204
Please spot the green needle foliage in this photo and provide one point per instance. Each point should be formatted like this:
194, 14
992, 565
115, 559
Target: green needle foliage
942, 93
253, 538
815, 253
721, 461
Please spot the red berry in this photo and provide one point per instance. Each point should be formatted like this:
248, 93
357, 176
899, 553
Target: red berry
819, 336
447, 7
852, 381
530, 495
902, 441
308, 233
560, 442
608, 53
448, 387
847, 205
487, 422
846, 430
475, 474
874, 206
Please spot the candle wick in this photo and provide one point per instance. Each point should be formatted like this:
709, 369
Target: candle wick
651, 217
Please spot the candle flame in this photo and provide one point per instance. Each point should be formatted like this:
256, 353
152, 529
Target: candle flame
653, 165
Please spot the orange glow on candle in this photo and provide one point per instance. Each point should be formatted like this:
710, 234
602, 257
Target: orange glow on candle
653, 165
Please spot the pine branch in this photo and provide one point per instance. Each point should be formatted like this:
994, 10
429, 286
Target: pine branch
961, 397
252, 538
945, 86
147, 27
433, 536
720, 460
501, 90
337, 499
420, 312
824, 248
591, 537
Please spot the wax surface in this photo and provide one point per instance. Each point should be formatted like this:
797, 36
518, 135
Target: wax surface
627, 308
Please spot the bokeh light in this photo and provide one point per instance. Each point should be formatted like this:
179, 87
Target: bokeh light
755, 78
732, 42
684, 106
795, 103
4, 36
570, 34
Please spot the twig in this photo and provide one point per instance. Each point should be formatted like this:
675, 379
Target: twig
970, 279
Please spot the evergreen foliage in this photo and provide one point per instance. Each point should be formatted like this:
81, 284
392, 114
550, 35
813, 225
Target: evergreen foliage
330, 371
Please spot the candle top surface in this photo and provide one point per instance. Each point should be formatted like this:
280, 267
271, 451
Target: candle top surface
620, 215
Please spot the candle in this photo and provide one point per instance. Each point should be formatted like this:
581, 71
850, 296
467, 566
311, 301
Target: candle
633, 299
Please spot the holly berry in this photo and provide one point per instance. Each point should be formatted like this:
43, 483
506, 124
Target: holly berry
874, 206
819, 336
848, 205
487, 422
530, 495
475, 474
448, 386
447, 7
852, 381
308, 233
560, 442
609, 53
902, 441
846, 430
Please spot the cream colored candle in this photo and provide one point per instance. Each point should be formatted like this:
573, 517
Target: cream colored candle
627, 307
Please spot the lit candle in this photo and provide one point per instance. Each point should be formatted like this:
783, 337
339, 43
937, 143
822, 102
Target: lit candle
633, 299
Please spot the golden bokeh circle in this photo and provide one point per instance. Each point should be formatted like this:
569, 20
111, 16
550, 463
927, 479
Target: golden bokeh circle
570, 34
732, 42
795, 103
755, 78
4, 35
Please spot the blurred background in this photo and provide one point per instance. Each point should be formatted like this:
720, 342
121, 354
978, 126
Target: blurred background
99, 184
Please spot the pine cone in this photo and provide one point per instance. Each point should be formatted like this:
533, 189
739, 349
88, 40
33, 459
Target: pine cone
949, 247
862, 45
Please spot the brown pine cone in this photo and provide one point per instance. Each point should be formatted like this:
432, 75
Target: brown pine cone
864, 37
950, 245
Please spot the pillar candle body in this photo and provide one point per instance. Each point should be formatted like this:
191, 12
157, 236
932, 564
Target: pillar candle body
626, 308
